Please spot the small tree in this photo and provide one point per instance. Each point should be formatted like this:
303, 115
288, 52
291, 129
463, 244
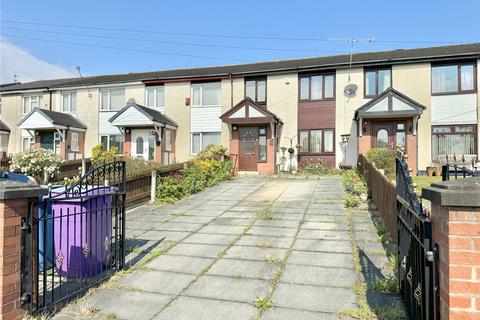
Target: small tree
38, 163
100, 156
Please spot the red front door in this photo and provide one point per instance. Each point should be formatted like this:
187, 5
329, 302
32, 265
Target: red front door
248, 146
384, 135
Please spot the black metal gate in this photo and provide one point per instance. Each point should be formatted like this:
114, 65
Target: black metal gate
417, 256
73, 238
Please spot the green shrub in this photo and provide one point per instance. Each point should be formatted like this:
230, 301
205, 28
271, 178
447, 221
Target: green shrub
36, 163
351, 200
138, 166
100, 156
383, 159
354, 183
213, 152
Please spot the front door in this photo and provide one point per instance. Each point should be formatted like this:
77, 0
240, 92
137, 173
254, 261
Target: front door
46, 141
143, 144
247, 148
384, 135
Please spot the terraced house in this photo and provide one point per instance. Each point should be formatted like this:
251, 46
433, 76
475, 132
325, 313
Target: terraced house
329, 109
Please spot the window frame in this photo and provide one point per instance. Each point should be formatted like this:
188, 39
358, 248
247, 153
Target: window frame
256, 80
76, 135
266, 144
454, 132
322, 146
109, 90
309, 77
167, 147
459, 78
376, 70
155, 88
201, 140
29, 96
69, 93
120, 152
200, 85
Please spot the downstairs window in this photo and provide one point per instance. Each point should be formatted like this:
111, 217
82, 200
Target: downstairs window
454, 139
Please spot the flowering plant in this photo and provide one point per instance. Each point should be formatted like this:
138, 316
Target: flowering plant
37, 163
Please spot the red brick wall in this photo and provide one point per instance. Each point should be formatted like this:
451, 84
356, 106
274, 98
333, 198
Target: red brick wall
11, 212
457, 231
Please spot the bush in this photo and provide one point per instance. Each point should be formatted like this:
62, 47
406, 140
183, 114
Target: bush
383, 159
36, 163
198, 175
351, 200
355, 188
213, 151
138, 166
100, 156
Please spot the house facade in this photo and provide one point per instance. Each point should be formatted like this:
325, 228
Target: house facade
325, 109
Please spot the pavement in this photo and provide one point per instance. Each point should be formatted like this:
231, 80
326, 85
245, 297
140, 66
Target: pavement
249, 248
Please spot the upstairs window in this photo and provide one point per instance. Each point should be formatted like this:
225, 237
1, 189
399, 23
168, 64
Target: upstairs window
112, 99
452, 79
155, 97
69, 102
31, 102
377, 81
206, 94
317, 87
256, 89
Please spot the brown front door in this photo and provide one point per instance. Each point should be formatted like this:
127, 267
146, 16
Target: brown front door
384, 135
248, 146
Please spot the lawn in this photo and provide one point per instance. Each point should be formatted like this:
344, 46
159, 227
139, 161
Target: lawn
424, 181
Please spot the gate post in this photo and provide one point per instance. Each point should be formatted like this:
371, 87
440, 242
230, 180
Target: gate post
17, 194
456, 230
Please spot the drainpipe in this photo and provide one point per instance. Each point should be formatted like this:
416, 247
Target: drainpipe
50, 99
231, 90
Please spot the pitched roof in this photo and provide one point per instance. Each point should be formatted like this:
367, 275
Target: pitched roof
4, 127
57, 118
366, 58
247, 101
151, 114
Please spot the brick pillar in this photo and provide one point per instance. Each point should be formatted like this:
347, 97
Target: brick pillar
14, 197
456, 229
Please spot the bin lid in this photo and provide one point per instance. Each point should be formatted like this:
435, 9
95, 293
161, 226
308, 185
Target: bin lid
58, 193
16, 186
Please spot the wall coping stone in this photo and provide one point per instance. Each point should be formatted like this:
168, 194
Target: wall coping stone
16, 186
455, 193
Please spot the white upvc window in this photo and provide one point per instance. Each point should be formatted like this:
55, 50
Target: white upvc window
30, 102
112, 99
69, 102
206, 94
109, 141
27, 143
200, 140
74, 141
155, 97
168, 140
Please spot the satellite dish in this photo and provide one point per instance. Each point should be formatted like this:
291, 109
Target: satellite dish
350, 90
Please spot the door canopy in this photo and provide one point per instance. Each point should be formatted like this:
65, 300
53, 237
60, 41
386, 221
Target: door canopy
390, 104
248, 111
41, 119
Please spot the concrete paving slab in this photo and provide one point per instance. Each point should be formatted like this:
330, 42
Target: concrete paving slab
287, 314
222, 229
182, 264
256, 253
324, 259
169, 283
244, 268
178, 226
324, 226
168, 235
324, 234
197, 250
207, 238
319, 276
277, 223
265, 241
272, 231
323, 245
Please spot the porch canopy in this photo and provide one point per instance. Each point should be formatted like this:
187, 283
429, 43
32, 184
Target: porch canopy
134, 115
248, 112
390, 104
4, 128
41, 120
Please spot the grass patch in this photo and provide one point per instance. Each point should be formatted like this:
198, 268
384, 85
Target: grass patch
388, 284
273, 258
263, 303
423, 182
265, 214
389, 313
264, 244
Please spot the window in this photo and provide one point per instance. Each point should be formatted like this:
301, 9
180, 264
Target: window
202, 139
139, 143
256, 89
155, 97
316, 141
457, 78
31, 102
206, 94
400, 135
317, 87
74, 141
110, 141
56, 142
112, 99
168, 140
69, 102
27, 143
262, 144
454, 139
377, 81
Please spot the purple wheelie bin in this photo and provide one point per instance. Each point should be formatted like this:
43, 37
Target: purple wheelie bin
82, 231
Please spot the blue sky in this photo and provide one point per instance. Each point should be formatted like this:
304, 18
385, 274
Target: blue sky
243, 24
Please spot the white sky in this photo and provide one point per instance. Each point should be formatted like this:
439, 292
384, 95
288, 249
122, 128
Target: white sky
17, 60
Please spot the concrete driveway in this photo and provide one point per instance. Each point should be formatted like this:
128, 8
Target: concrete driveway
250, 248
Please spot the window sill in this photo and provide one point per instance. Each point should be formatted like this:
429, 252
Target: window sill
454, 93
316, 100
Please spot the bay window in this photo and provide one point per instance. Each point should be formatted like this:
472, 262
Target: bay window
453, 139
112, 99
206, 94
377, 81
200, 140
31, 102
110, 141
155, 97
451, 79
69, 102
316, 141
256, 89
317, 87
